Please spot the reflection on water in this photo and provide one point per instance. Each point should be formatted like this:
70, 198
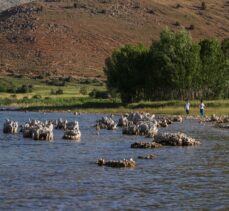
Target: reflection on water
62, 175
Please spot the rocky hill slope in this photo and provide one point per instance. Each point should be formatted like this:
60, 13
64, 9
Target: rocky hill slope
6, 4
73, 37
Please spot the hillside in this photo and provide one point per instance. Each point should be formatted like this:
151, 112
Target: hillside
6, 4
66, 37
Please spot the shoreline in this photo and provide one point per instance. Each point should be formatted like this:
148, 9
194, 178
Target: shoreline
168, 110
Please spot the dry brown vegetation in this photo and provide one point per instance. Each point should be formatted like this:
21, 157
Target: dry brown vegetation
73, 37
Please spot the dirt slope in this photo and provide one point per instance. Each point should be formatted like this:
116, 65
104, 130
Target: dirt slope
74, 37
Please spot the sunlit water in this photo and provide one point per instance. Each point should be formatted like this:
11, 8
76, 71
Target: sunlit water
63, 175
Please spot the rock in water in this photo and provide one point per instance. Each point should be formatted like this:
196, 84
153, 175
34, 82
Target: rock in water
117, 163
144, 145
175, 139
148, 157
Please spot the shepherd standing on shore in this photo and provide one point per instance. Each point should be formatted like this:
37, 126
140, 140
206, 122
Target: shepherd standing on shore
187, 107
202, 108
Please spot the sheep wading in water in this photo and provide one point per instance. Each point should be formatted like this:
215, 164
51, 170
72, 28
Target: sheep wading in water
106, 123
61, 124
117, 163
10, 126
175, 139
138, 124
37, 130
144, 123
72, 131
148, 129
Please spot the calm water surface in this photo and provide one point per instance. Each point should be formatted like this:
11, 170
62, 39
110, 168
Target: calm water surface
62, 175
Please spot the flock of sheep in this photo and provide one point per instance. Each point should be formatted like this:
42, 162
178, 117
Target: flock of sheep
38, 130
143, 124
147, 125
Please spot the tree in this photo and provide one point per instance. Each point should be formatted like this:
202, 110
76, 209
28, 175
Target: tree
175, 63
125, 72
225, 47
213, 69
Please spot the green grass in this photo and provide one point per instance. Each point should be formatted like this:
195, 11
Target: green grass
71, 89
74, 101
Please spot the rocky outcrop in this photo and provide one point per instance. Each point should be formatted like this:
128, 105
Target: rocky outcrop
117, 164
175, 139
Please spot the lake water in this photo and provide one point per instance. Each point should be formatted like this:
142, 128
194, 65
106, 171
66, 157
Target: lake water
63, 175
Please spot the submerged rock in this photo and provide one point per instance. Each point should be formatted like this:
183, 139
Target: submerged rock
117, 164
145, 145
10, 126
222, 125
175, 139
148, 157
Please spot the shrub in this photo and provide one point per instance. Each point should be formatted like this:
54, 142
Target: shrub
191, 27
37, 97
57, 92
177, 23
13, 96
2, 88
22, 89
178, 6
203, 5
83, 90
56, 82
99, 94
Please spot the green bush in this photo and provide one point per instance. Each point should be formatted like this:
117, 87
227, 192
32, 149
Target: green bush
83, 90
22, 89
37, 97
56, 82
99, 94
57, 92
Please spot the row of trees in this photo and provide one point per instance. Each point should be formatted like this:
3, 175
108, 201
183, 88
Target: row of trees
174, 67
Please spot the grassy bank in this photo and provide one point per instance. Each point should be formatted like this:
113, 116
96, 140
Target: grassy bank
74, 99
